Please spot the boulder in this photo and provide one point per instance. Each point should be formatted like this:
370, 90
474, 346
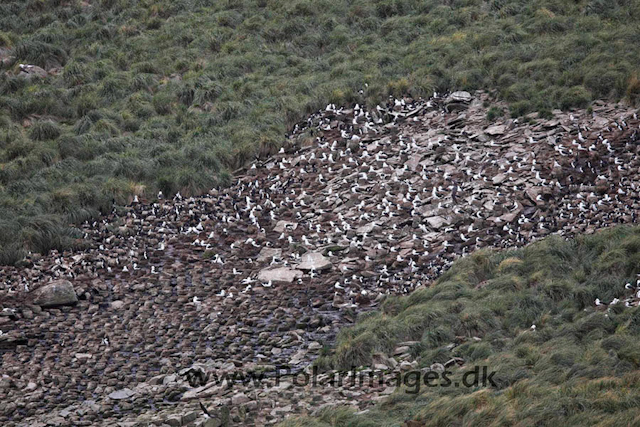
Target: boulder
458, 101
280, 275
59, 292
460, 96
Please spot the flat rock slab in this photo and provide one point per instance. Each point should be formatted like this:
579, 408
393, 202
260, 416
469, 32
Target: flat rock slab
496, 130
436, 222
414, 161
533, 193
125, 393
281, 226
367, 228
59, 292
280, 275
206, 390
266, 254
314, 261
499, 179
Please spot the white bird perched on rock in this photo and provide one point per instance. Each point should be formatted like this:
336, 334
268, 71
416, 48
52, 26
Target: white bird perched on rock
268, 285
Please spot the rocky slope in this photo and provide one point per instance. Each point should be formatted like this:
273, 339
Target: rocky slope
359, 204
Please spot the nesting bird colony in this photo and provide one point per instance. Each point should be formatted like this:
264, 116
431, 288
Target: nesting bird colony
359, 204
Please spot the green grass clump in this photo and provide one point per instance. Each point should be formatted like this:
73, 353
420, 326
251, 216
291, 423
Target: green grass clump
580, 364
44, 130
203, 85
494, 113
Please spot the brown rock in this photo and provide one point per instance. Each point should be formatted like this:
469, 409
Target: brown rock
56, 293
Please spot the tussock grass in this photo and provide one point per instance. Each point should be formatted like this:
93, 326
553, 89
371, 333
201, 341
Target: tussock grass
580, 364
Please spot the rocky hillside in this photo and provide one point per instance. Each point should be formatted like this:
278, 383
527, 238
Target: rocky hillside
358, 205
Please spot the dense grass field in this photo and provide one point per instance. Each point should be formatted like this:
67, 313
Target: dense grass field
579, 366
173, 95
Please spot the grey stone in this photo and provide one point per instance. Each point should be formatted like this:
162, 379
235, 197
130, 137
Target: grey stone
174, 421
460, 96
117, 304
189, 417
438, 367
239, 399
401, 350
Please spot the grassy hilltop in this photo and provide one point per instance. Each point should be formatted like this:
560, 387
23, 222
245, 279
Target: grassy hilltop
172, 95
577, 367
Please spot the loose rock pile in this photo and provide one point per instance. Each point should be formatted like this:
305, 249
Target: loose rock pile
359, 204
